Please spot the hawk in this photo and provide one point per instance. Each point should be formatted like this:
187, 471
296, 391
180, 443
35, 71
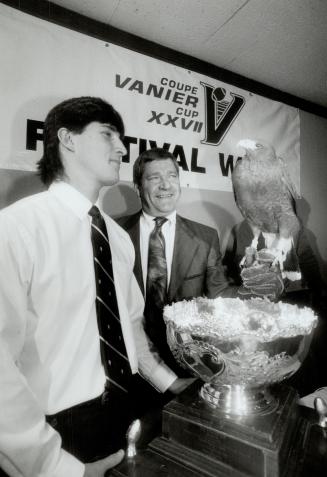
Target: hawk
265, 196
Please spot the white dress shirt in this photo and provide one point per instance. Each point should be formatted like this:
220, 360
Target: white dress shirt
147, 224
49, 339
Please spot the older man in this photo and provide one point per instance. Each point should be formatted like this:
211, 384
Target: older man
190, 263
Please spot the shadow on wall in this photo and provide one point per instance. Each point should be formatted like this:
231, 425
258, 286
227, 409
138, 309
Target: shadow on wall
15, 185
214, 208
211, 214
121, 199
303, 209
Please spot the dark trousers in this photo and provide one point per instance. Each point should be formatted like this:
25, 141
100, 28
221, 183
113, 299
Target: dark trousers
94, 429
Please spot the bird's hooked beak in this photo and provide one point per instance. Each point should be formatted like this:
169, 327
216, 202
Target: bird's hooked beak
249, 145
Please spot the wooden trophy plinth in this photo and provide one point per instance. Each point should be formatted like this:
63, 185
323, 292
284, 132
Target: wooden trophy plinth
208, 442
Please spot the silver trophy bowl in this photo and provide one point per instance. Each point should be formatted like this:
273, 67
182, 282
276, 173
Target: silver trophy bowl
239, 348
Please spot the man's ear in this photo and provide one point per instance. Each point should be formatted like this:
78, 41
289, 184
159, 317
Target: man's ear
138, 191
66, 138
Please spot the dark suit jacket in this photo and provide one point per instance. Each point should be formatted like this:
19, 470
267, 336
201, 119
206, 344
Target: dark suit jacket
197, 262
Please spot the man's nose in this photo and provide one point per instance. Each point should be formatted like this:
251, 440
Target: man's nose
119, 146
165, 183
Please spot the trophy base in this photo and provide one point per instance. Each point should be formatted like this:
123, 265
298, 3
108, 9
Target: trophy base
210, 442
237, 400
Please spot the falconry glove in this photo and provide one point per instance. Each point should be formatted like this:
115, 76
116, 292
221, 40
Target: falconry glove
262, 278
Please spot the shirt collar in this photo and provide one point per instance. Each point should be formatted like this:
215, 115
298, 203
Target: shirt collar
149, 218
71, 198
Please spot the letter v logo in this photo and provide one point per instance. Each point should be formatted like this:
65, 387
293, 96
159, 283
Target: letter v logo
220, 113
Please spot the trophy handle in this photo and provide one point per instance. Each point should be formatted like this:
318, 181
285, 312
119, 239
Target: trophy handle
202, 359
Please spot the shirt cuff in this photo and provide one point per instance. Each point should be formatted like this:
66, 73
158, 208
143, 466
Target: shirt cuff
161, 378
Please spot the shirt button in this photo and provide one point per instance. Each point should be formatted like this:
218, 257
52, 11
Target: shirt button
99, 281
100, 249
109, 362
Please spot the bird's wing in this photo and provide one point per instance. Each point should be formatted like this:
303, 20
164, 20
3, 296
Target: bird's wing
250, 194
241, 188
286, 179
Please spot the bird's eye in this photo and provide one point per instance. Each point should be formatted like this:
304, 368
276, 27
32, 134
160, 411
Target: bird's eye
258, 145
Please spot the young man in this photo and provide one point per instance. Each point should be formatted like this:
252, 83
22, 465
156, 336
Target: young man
63, 403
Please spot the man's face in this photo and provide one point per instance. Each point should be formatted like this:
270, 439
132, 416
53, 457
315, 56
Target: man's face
98, 151
160, 188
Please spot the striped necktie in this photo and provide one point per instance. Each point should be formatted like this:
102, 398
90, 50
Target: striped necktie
156, 283
157, 296
112, 346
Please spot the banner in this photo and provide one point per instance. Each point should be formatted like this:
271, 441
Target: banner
197, 117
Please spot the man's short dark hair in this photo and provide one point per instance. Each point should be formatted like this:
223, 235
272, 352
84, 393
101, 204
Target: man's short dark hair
74, 114
150, 155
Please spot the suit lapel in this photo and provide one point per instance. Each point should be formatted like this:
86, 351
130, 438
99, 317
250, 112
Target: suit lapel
185, 247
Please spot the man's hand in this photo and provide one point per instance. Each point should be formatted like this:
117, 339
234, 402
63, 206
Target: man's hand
98, 468
180, 384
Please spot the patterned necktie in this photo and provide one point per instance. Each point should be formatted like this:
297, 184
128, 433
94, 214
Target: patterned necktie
112, 346
156, 283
